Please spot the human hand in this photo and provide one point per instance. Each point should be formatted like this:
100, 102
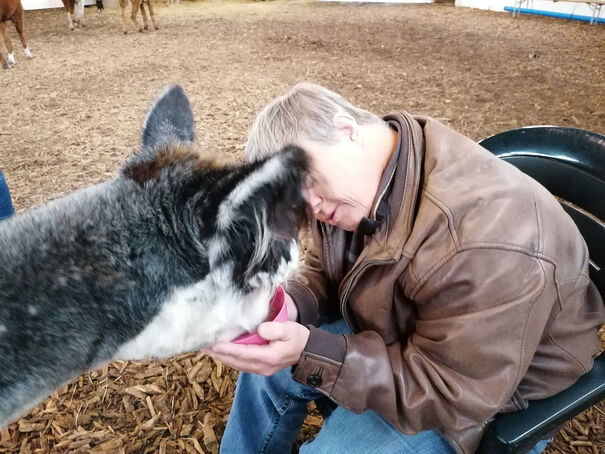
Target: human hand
287, 340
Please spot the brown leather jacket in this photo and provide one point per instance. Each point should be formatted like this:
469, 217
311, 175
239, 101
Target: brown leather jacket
473, 297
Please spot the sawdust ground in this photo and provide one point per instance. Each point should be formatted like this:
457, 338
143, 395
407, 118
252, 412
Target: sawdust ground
69, 117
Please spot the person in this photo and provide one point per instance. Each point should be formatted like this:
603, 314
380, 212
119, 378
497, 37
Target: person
442, 286
6, 205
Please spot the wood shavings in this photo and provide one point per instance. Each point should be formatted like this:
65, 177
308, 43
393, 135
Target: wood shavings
70, 120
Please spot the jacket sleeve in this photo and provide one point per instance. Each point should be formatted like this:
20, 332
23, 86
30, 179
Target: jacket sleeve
479, 314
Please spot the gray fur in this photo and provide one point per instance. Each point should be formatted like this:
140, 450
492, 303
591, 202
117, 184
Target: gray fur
84, 274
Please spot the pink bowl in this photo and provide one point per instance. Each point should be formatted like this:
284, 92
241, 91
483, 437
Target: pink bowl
278, 312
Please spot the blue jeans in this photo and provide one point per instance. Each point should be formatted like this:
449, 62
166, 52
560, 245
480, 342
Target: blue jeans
6, 205
268, 412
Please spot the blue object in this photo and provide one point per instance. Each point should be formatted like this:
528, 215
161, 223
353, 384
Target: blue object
570, 163
540, 12
6, 204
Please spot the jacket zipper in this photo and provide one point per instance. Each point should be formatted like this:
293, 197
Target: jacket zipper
352, 280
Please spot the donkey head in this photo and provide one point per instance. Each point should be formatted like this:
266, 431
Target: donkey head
242, 219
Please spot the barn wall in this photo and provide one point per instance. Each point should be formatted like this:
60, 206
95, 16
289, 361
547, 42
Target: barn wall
572, 8
45, 4
379, 1
41, 4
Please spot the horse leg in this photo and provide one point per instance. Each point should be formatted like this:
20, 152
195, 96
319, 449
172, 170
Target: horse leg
144, 15
3, 50
69, 10
10, 58
70, 20
123, 5
150, 6
133, 13
79, 12
18, 21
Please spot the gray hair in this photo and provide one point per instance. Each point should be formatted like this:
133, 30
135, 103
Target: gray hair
306, 111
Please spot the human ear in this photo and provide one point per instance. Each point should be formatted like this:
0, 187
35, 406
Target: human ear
346, 125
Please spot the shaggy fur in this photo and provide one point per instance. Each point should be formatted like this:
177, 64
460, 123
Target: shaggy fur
177, 252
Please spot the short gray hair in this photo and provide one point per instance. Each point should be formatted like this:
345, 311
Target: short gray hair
306, 111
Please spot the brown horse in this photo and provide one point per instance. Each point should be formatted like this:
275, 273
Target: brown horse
75, 13
136, 4
11, 10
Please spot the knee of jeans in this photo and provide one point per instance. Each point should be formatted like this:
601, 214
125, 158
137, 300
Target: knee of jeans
6, 206
275, 386
337, 327
539, 447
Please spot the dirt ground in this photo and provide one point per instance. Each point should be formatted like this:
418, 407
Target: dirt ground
69, 117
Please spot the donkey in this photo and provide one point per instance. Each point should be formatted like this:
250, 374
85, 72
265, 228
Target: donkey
75, 13
179, 251
136, 4
12, 10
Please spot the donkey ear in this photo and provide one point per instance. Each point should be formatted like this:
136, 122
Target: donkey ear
288, 209
169, 120
269, 189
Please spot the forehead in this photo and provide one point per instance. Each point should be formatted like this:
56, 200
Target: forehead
328, 167
320, 151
